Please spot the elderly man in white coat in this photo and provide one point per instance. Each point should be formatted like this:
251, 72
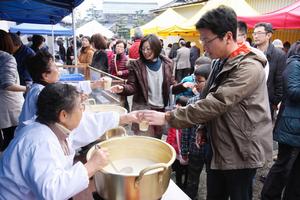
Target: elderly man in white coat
38, 163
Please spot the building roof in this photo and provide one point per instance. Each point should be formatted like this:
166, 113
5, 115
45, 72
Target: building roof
128, 6
176, 3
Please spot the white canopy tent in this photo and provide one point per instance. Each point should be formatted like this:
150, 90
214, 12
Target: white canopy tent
93, 27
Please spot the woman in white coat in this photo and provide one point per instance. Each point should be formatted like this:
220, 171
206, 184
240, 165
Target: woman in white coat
38, 163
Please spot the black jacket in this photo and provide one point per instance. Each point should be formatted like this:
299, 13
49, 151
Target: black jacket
100, 60
277, 59
195, 53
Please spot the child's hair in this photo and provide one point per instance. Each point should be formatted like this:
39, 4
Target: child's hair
202, 60
182, 101
203, 70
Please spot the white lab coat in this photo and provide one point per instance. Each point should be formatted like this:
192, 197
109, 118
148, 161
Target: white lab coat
34, 165
29, 108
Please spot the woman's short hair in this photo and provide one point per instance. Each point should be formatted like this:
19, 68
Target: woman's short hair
39, 64
86, 37
294, 50
53, 99
121, 41
6, 43
99, 41
154, 43
83, 48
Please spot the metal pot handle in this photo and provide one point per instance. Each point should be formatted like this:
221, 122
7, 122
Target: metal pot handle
119, 127
91, 101
147, 169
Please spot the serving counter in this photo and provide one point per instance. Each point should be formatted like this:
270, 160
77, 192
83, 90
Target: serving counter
173, 192
75, 73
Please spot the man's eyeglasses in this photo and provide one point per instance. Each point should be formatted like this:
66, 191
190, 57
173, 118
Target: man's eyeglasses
205, 42
258, 33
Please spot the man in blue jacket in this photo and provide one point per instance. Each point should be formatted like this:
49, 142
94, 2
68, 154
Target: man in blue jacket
21, 54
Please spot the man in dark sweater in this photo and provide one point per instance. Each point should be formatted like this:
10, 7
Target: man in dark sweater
276, 57
21, 54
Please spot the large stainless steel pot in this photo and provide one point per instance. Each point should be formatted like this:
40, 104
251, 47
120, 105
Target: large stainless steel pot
150, 162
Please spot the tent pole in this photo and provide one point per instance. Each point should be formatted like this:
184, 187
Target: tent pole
52, 34
74, 38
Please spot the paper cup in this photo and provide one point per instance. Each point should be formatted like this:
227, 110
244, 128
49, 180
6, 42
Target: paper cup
144, 125
107, 82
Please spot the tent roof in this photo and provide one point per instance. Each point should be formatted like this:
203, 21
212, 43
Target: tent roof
284, 18
93, 27
164, 20
42, 29
36, 11
240, 7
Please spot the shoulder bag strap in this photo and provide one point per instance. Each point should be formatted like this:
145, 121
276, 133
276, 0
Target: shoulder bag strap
115, 61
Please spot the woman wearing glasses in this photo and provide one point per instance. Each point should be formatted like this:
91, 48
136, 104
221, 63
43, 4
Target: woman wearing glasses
117, 65
149, 81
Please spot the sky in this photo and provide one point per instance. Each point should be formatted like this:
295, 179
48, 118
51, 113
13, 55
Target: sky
98, 3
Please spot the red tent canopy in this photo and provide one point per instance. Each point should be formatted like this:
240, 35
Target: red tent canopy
284, 18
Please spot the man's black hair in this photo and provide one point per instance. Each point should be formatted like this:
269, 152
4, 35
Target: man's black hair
219, 21
294, 50
287, 45
242, 26
268, 26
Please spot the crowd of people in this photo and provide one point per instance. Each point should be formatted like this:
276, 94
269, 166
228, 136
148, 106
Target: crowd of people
224, 107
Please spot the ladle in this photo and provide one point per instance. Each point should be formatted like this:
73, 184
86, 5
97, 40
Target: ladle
126, 170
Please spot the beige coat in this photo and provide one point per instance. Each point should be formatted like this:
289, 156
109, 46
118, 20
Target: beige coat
182, 59
236, 113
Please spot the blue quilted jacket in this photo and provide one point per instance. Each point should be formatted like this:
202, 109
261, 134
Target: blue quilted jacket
287, 129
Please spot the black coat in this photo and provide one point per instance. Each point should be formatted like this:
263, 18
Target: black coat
287, 129
195, 53
100, 60
276, 58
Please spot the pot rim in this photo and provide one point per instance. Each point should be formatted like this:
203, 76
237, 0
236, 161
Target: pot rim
171, 161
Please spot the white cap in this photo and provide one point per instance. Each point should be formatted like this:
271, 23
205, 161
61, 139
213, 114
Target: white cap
277, 43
